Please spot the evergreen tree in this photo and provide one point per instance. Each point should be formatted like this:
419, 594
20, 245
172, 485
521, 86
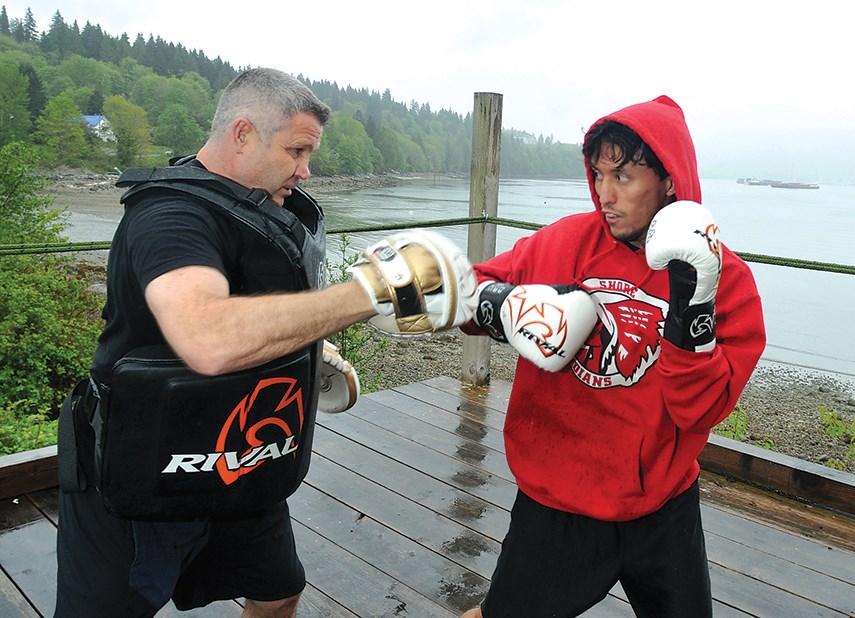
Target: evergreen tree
74, 38
116, 50
138, 49
58, 39
28, 25
4, 22
16, 29
91, 38
37, 98
95, 105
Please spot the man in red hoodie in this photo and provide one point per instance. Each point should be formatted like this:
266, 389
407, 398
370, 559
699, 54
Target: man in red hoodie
637, 331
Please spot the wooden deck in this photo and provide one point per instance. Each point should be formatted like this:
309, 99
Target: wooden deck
407, 501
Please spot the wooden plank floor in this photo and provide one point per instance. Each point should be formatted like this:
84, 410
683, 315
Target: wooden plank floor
405, 506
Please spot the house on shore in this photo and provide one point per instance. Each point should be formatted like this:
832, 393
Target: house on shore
101, 126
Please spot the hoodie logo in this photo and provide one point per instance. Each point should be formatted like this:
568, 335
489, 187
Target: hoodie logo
625, 342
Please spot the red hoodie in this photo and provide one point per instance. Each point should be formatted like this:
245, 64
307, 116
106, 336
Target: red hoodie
617, 434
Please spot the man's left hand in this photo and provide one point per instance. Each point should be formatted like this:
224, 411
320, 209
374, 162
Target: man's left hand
339, 381
683, 237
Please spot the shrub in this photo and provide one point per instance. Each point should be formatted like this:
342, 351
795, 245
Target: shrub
837, 428
49, 326
25, 216
49, 320
23, 431
359, 344
735, 426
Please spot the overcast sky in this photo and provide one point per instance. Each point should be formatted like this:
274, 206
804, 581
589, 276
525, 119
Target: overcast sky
767, 73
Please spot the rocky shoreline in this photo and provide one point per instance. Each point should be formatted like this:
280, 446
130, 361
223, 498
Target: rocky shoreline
331, 184
781, 402
65, 180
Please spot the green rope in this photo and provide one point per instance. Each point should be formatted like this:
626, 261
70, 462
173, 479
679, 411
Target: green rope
67, 247
56, 247
405, 226
795, 263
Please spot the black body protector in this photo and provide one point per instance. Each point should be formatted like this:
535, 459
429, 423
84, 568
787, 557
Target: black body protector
176, 445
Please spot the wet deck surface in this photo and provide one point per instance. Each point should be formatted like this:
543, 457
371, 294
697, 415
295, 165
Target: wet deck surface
407, 501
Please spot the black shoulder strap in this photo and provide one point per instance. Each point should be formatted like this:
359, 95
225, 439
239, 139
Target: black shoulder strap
238, 201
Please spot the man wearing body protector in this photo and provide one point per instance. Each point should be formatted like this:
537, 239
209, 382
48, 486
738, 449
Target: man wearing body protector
177, 456
637, 331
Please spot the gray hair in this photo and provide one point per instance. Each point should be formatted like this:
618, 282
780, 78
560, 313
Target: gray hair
268, 98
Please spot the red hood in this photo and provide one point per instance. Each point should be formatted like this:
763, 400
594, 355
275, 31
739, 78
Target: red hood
662, 126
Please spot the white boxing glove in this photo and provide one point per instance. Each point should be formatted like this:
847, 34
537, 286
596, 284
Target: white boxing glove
419, 283
547, 325
684, 238
339, 383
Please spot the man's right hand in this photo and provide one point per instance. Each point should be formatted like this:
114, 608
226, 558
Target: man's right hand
547, 325
419, 283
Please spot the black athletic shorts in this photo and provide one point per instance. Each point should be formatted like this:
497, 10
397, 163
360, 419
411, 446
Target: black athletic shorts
199, 563
559, 564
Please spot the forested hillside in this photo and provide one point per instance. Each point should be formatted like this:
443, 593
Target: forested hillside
158, 98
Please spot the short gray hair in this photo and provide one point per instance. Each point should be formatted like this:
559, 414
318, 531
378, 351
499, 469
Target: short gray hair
268, 98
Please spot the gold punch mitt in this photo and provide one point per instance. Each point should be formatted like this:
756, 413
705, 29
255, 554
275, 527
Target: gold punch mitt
419, 282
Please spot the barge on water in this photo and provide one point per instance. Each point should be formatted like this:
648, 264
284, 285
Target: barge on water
777, 184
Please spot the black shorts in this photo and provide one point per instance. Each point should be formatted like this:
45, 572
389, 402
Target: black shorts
253, 557
559, 564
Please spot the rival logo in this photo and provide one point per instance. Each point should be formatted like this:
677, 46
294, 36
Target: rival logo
702, 325
549, 349
205, 462
486, 318
248, 437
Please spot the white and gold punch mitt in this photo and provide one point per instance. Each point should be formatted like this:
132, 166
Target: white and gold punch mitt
339, 382
418, 281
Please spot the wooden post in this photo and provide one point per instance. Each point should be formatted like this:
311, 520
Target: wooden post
483, 201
